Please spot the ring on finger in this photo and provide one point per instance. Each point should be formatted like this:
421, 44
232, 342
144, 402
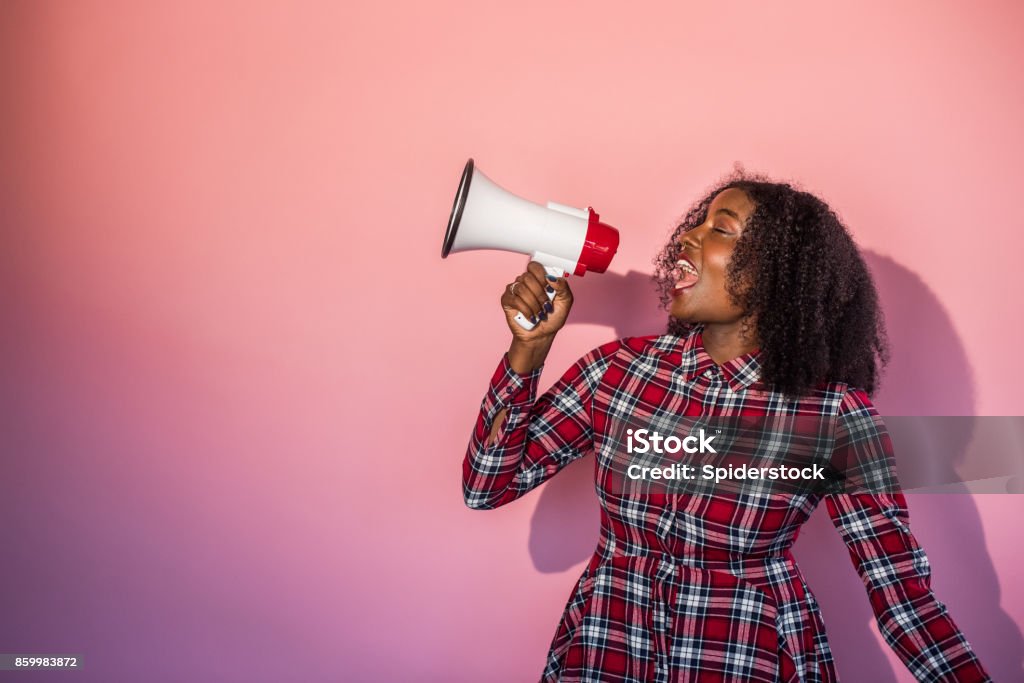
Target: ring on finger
512, 287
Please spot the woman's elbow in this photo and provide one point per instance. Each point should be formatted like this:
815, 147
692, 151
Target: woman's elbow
483, 500
478, 504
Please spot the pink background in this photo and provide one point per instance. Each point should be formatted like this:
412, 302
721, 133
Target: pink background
239, 380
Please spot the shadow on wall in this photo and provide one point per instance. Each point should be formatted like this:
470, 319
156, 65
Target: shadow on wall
928, 375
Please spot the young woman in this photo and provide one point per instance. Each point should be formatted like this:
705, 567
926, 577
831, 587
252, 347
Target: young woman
772, 309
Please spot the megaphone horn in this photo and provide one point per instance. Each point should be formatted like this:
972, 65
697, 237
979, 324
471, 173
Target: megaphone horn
562, 238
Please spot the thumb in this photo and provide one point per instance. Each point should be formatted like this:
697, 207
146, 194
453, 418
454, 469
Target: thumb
561, 286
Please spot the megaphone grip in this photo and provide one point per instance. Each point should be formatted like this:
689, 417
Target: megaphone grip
522, 320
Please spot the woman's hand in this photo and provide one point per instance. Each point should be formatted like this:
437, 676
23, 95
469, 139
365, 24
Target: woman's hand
528, 294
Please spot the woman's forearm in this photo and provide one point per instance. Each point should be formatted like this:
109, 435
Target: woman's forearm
524, 357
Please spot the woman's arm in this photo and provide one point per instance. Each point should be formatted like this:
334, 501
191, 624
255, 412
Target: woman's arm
875, 526
524, 359
520, 441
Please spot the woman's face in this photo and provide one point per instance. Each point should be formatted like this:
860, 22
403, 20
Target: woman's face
702, 297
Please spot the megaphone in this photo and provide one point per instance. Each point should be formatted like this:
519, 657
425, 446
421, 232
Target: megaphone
562, 238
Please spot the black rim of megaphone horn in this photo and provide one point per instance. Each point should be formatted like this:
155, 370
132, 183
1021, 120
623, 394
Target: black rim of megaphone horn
457, 207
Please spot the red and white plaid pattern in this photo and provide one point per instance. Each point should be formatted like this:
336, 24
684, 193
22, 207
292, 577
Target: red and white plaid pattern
704, 587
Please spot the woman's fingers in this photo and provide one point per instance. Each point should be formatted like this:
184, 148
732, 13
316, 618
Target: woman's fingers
562, 290
518, 298
529, 295
524, 299
543, 285
543, 299
535, 285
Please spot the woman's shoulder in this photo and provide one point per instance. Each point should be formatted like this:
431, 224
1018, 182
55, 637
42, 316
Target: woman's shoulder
851, 396
837, 398
662, 345
651, 344
632, 347
855, 401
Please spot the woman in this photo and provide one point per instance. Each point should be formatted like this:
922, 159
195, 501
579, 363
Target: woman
772, 309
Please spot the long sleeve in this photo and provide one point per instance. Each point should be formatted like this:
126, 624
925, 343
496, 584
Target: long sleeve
538, 437
875, 526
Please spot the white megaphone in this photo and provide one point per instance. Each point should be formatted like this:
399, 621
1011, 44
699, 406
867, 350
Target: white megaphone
562, 238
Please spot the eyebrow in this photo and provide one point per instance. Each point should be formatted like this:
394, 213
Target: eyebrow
729, 212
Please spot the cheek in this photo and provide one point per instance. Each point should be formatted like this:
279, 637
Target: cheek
716, 269
716, 277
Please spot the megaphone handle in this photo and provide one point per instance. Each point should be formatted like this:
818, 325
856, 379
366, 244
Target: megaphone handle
524, 322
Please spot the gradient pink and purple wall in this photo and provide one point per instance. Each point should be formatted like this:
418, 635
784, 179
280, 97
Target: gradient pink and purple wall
238, 380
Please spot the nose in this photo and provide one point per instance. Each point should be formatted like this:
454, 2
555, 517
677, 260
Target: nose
690, 238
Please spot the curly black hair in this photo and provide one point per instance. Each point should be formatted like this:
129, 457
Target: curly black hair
812, 302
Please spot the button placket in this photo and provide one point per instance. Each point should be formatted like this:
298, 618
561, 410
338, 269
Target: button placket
662, 598
714, 384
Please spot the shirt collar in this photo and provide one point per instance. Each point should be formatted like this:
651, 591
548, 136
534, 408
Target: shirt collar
739, 372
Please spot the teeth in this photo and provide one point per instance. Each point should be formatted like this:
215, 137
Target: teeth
685, 266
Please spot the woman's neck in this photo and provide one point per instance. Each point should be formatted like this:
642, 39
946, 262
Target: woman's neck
725, 341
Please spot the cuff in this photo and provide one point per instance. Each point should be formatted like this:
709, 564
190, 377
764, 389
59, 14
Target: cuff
509, 389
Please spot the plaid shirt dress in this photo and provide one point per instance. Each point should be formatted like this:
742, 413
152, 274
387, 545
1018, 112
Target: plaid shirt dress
703, 587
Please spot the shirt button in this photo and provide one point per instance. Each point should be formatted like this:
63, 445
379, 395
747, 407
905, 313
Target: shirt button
510, 390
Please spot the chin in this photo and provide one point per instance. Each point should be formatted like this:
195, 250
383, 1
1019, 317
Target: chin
678, 310
682, 317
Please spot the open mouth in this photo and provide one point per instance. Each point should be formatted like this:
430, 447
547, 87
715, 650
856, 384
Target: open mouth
687, 275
